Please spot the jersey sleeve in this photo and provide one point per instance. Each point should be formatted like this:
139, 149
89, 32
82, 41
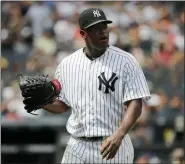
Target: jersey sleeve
58, 75
135, 85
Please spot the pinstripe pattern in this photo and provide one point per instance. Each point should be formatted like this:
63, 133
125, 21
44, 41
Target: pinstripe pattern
95, 112
79, 151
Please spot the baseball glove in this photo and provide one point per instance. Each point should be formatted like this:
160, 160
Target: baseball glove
38, 91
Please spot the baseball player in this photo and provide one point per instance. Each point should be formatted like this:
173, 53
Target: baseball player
104, 86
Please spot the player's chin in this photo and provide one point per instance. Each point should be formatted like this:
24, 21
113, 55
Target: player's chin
103, 45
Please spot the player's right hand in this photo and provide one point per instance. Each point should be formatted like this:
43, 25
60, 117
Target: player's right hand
38, 91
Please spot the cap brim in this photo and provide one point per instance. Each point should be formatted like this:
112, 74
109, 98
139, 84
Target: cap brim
99, 21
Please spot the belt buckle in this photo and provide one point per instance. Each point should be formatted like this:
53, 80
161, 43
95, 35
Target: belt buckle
87, 139
91, 138
98, 138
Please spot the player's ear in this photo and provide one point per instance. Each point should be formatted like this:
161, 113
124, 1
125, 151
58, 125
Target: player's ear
83, 34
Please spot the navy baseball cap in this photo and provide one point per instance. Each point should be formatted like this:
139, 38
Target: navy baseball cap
92, 16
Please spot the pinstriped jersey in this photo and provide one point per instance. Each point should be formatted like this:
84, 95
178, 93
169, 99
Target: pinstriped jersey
96, 90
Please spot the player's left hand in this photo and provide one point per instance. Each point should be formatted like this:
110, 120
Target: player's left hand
111, 145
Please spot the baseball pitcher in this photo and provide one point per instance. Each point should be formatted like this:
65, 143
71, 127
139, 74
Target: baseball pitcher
103, 85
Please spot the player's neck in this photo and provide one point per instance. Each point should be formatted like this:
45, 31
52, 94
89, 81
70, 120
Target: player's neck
94, 52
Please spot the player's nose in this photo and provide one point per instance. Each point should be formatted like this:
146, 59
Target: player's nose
103, 34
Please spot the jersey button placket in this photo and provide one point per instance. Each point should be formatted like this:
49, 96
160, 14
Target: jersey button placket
92, 117
90, 80
88, 116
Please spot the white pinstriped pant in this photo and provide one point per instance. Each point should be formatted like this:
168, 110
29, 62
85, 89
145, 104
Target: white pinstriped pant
78, 151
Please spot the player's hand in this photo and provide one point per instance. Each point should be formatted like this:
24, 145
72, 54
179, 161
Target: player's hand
111, 145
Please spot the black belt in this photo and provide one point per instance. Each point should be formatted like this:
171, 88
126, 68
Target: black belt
90, 138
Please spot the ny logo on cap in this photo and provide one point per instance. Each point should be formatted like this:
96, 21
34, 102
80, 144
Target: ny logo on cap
96, 13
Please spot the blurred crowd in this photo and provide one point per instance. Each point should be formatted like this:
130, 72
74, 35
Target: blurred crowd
36, 36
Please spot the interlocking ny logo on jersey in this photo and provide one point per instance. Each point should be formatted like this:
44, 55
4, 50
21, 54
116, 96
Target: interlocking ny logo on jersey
109, 84
96, 13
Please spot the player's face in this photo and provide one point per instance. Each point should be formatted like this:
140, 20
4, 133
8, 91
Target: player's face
97, 36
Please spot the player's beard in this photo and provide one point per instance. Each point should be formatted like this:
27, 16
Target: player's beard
96, 49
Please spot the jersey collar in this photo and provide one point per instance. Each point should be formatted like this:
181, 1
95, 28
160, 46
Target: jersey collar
92, 58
